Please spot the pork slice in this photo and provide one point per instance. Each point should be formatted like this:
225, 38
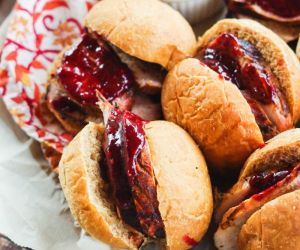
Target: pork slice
232, 199
72, 114
149, 76
276, 114
69, 112
130, 172
143, 186
147, 107
228, 231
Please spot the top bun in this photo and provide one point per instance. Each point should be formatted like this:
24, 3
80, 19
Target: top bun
213, 111
281, 151
147, 29
183, 184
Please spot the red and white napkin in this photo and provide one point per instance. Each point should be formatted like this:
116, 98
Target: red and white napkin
38, 31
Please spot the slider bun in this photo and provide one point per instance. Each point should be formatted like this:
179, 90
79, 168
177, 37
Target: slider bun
213, 110
183, 186
149, 30
275, 226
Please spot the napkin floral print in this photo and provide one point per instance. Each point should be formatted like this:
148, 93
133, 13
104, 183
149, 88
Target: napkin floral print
39, 30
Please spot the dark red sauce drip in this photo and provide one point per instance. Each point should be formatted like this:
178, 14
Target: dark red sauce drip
134, 136
262, 145
283, 8
282, 179
263, 181
223, 54
112, 147
189, 241
130, 173
92, 65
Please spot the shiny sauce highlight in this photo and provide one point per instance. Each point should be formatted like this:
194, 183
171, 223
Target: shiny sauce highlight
91, 65
130, 173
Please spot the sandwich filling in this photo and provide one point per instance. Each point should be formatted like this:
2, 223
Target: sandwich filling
94, 65
262, 181
278, 10
90, 66
130, 174
252, 185
240, 62
264, 188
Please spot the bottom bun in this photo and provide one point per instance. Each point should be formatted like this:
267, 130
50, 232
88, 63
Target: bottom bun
85, 192
183, 187
275, 226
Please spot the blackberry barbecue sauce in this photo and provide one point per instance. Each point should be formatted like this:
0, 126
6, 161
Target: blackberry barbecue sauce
241, 63
130, 173
112, 147
264, 183
92, 65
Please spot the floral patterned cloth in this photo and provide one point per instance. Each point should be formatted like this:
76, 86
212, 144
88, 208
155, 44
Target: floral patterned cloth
39, 30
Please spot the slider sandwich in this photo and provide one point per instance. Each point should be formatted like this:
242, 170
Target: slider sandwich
124, 53
261, 211
241, 88
131, 182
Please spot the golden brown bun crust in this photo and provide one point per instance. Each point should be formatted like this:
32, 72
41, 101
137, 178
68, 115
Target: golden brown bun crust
275, 226
213, 111
282, 60
80, 186
149, 30
183, 189
278, 153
